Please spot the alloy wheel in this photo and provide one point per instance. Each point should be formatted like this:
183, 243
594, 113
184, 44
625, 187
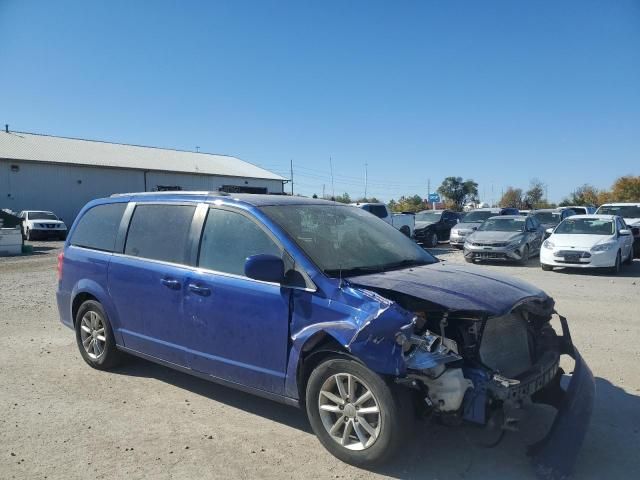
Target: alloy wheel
92, 334
349, 411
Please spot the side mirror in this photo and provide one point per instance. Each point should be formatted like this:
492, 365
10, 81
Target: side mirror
267, 268
549, 231
624, 232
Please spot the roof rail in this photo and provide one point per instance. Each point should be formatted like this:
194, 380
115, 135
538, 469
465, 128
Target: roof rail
170, 192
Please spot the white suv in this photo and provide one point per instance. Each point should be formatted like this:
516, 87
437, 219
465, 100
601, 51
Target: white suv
39, 224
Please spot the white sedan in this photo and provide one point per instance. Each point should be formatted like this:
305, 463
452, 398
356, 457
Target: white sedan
588, 241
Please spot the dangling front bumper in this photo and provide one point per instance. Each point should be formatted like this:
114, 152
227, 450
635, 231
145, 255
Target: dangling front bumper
555, 455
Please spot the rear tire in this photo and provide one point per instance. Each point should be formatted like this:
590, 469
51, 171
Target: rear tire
406, 230
546, 268
94, 337
335, 411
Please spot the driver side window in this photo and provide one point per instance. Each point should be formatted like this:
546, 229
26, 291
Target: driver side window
229, 238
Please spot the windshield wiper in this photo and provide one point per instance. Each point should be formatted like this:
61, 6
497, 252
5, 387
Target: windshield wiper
350, 272
402, 264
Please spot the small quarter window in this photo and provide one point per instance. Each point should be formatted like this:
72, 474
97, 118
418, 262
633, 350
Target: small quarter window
98, 227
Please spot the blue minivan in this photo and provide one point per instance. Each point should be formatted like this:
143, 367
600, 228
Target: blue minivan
323, 306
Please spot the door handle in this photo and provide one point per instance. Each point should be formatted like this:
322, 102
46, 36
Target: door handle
198, 290
171, 283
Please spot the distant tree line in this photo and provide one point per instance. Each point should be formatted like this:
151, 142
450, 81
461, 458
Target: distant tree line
456, 193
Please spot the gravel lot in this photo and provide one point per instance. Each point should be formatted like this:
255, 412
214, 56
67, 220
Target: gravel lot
61, 419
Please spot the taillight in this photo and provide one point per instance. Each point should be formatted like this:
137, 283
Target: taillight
60, 262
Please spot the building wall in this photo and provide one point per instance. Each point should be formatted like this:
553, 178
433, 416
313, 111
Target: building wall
209, 183
65, 189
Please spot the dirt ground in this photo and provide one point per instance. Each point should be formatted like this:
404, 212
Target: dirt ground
61, 419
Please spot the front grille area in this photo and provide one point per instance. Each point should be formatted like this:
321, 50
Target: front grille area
494, 244
490, 256
565, 253
505, 345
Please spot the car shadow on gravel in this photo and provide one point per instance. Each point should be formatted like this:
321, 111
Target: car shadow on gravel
439, 451
627, 271
253, 404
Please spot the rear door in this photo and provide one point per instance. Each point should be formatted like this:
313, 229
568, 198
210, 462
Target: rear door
147, 280
238, 328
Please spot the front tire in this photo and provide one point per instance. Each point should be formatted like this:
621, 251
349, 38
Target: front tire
629, 259
357, 416
94, 337
524, 259
29, 235
615, 270
546, 268
433, 240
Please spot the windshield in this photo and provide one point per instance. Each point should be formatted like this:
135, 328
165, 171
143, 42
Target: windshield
477, 217
503, 225
344, 240
42, 216
428, 216
625, 211
585, 226
547, 218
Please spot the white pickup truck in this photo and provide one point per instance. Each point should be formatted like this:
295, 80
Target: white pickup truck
405, 222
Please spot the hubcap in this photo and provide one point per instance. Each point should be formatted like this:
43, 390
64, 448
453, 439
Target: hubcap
92, 334
349, 411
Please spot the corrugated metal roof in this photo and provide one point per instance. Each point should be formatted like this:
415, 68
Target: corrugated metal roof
45, 148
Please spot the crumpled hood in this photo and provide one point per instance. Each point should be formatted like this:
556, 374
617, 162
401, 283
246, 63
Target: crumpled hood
457, 288
495, 236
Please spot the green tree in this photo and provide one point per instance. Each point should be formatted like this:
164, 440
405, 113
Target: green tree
458, 192
512, 197
583, 195
535, 195
344, 198
413, 203
626, 189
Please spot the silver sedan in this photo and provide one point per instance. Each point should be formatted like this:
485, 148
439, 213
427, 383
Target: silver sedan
507, 238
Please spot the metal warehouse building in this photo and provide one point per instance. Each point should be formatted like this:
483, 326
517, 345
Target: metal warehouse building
42, 172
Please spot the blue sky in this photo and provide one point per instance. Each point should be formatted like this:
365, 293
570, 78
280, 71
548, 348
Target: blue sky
497, 91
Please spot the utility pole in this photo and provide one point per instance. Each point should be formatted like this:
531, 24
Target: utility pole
323, 191
365, 181
429, 191
292, 177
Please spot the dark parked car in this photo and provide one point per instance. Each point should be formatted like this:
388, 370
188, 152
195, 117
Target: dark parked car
433, 226
551, 217
319, 305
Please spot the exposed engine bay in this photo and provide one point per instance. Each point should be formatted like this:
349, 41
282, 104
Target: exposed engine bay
468, 364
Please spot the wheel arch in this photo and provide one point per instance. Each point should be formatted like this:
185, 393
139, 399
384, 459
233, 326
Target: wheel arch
315, 350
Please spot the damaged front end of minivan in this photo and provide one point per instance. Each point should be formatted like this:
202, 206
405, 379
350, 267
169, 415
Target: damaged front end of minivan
476, 364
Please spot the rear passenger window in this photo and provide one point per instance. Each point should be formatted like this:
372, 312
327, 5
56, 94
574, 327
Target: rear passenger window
378, 210
229, 238
98, 227
160, 232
